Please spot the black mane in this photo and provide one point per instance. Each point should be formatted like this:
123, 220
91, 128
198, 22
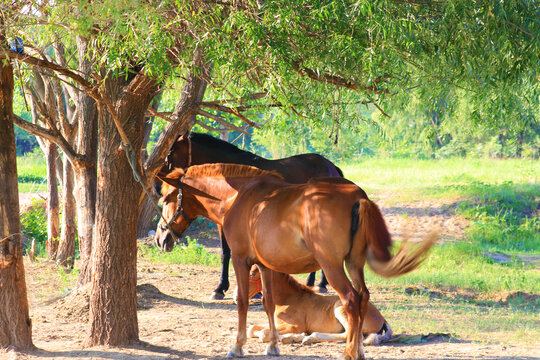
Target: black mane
219, 145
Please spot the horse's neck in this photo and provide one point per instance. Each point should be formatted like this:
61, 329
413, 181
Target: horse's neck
202, 155
214, 196
284, 286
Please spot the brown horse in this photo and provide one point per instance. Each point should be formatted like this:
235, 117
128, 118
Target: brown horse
198, 149
304, 316
291, 229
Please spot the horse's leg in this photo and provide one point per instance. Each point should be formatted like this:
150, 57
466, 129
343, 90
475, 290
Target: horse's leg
356, 272
323, 283
351, 302
287, 333
311, 279
269, 307
241, 269
341, 316
219, 292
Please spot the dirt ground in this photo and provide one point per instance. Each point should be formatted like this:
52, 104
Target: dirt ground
177, 321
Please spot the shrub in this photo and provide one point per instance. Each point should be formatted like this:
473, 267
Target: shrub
34, 225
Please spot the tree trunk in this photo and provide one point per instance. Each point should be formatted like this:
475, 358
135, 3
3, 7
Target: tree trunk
146, 218
519, 147
113, 300
15, 323
86, 176
66, 249
53, 210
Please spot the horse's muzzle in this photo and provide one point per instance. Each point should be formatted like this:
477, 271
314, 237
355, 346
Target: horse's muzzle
164, 240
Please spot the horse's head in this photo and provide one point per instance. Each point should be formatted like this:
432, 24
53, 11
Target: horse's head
175, 219
180, 155
255, 284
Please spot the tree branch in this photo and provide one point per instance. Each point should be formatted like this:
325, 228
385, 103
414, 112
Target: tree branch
339, 81
53, 136
88, 86
221, 120
233, 111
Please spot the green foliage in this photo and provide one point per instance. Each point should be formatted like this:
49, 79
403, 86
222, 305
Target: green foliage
505, 216
34, 226
190, 253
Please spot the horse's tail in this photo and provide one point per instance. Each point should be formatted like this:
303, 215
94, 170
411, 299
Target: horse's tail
372, 239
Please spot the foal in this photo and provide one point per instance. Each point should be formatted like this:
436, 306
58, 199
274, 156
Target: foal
304, 316
289, 228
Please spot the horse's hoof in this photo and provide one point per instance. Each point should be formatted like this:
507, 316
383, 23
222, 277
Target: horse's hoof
272, 350
308, 340
235, 352
217, 296
322, 290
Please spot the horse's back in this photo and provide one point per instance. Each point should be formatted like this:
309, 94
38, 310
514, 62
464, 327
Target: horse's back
301, 168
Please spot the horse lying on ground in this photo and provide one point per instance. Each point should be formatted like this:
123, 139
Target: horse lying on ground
198, 149
304, 316
292, 229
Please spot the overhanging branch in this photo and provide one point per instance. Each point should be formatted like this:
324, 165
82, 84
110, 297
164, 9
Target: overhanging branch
53, 136
339, 81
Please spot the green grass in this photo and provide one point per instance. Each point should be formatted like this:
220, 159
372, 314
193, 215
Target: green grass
476, 321
31, 165
32, 173
411, 179
466, 266
190, 253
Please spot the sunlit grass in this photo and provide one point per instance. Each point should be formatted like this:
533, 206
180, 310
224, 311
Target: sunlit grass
411, 179
190, 253
467, 266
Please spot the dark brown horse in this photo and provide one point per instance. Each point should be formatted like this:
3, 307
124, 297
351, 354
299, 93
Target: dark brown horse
289, 228
198, 149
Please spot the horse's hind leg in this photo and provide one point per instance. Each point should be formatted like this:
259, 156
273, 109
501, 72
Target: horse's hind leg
356, 272
219, 292
351, 302
269, 307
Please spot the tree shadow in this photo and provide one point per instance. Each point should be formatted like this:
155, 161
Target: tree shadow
149, 296
159, 352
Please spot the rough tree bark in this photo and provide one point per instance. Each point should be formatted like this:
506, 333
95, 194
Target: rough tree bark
15, 323
53, 209
148, 212
113, 300
66, 249
86, 174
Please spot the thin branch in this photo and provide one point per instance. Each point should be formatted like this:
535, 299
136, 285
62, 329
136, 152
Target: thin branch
519, 28
221, 120
228, 110
160, 115
53, 136
255, 96
339, 81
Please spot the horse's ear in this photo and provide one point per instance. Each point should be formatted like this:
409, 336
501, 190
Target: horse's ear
172, 182
170, 178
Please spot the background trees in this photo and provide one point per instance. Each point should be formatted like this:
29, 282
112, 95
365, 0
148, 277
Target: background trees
111, 58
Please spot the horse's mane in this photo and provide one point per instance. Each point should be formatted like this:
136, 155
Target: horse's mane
296, 286
217, 144
229, 170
